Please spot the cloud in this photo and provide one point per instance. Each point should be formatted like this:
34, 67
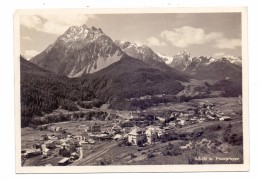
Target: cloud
31, 21
219, 54
54, 24
228, 43
26, 38
187, 35
30, 53
152, 41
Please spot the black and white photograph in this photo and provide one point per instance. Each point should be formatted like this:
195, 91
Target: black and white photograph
141, 90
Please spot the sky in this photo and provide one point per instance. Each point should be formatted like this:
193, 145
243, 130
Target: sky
207, 34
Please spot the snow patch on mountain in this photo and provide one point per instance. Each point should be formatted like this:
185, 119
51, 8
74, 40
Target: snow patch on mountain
167, 59
233, 59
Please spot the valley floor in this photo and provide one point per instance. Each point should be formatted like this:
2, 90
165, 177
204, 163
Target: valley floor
198, 140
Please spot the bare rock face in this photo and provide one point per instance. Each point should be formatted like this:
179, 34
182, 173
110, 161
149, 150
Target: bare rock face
181, 60
141, 52
80, 50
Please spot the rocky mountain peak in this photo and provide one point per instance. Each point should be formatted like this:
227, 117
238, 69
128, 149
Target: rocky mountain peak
79, 33
80, 50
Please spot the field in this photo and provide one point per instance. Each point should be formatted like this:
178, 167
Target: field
219, 142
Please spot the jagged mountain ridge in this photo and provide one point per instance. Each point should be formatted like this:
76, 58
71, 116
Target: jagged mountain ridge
204, 67
179, 61
233, 60
80, 50
183, 61
142, 52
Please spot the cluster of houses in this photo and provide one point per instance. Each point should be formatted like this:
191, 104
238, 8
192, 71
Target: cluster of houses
48, 143
197, 115
134, 135
51, 128
138, 130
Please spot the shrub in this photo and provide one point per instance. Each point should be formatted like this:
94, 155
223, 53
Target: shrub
121, 143
68, 105
215, 127
104, 162
128, 143
150, 155
64, 153
97, 103
204, 149
169, 146
133, 155
229, 126
167, 153
177, 151
236, 139
85, 105
226, 135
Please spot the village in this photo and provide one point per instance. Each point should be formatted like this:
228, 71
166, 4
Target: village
138, 128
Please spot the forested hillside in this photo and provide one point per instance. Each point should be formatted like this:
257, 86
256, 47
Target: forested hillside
42, 92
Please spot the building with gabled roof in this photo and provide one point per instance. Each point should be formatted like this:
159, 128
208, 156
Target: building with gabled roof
151, 134
136, 136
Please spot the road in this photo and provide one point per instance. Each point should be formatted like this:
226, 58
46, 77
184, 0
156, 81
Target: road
95, 155
80, 152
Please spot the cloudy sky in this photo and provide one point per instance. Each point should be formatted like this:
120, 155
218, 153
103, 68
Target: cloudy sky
210, 34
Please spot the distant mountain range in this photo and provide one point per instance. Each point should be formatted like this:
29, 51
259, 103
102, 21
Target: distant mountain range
201, 67
82, 50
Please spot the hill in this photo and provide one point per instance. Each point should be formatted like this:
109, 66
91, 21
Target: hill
131, 77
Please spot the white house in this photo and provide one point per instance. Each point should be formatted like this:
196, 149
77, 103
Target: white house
201, 120
182, 121
136, 136
173, 124
118, 137
151, 134
210, 117
134, 115
46, 152
161, 119
225, 118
